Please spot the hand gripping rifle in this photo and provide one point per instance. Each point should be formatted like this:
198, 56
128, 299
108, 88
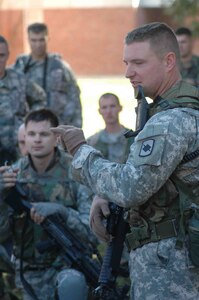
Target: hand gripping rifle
75, 253
117, 226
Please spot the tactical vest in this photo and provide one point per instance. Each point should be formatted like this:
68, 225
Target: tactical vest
165, 214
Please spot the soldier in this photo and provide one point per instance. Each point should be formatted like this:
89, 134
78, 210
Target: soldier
159, 181
45, 179
53, 75
111, 141
16, 95
189, 62
21, 140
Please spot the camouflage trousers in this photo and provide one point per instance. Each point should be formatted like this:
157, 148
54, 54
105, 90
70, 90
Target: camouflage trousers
158, 271
67, 284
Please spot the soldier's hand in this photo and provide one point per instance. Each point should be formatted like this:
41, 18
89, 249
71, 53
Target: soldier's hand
71, 137
7, 177
98, 212
41, 210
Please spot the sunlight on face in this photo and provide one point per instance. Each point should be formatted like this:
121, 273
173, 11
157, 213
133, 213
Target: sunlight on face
144, 67
40, 141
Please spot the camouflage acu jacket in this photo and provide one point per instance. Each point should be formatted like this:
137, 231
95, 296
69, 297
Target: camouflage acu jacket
59, 83
17, 96
190, 72
154, 157
114, 146
13, 107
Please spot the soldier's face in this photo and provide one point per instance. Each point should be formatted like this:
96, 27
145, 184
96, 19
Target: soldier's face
21, 140
109, 110
4, 54
144, 67
40, 141
185, 45
38, 44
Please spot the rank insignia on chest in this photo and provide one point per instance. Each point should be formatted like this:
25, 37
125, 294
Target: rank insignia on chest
147, 148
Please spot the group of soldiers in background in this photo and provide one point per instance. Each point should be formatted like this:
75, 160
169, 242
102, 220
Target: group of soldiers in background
38, 88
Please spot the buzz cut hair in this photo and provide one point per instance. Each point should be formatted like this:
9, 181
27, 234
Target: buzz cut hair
38, 28
184, 31
107, 95
161, 37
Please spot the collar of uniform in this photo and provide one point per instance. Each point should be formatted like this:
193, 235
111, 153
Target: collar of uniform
51, 164
181, 89
3, 81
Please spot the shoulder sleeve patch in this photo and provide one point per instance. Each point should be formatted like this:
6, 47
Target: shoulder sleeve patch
150, 144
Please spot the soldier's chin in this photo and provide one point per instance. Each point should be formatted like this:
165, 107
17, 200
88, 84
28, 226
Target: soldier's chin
38, 155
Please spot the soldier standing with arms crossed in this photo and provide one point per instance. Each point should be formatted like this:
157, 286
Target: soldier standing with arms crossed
159, 182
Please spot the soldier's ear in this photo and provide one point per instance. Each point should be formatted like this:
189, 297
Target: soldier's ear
170, 60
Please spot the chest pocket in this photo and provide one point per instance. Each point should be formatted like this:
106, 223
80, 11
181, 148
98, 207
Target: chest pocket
149, 145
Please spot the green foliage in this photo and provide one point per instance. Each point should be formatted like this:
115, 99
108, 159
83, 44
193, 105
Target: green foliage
185, 12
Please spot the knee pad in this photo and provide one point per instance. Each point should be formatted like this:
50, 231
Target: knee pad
71, 285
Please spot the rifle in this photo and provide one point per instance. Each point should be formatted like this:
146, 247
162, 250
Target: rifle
141, 111
117, 226
75, 253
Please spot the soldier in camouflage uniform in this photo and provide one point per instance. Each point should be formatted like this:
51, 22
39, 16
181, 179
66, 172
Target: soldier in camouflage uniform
53, 75
21, 140
111, 141
47, 182
159, 182
189, 63
16, 97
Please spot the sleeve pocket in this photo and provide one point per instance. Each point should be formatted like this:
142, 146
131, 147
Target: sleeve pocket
150, 144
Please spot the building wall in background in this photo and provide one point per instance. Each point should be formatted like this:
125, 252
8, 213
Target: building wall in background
91, 40
90, 37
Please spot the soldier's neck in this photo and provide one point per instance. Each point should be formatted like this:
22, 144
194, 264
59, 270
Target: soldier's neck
42, 164
113, 128
2, 74
38, 57
186, 60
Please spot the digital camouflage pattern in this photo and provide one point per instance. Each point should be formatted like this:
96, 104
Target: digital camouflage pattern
35, 95
114, 146
59, 83
190, 72
13, 108
55, 185
16, 97
159, 271
155, 156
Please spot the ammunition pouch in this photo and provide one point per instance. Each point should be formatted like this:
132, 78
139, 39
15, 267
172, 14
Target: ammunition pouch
151, 232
